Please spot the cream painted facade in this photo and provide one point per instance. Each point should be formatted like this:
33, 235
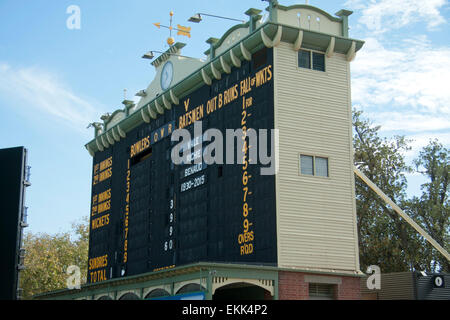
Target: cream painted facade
316, 216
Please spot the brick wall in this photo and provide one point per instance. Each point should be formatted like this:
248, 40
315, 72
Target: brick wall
292, 286
349, 289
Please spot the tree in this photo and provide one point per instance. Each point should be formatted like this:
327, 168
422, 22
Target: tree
432, 209
384, 238
48, 257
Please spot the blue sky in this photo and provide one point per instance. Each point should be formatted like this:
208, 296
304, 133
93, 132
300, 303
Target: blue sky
54, 81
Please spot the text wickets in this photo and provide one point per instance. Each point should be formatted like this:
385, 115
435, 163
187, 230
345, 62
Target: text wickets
101, 205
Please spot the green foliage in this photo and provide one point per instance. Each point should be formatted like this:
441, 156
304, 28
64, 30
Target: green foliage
48, 257
432, 210
385, 239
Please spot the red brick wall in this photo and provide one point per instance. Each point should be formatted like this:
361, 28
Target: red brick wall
292, 286
349, 289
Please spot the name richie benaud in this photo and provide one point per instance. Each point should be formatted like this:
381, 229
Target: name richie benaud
230, 310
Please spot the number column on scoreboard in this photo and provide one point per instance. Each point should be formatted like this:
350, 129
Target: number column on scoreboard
245, 239
100, 219
126, 219
164, 209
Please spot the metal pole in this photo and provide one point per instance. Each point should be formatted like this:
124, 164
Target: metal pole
397, 209
211, 15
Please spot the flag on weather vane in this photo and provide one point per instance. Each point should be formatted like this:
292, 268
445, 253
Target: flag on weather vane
182, 30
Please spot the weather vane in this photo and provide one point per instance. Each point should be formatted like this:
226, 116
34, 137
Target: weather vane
182, 31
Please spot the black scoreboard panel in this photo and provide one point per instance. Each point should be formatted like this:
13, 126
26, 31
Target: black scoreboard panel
11, 190
149, 214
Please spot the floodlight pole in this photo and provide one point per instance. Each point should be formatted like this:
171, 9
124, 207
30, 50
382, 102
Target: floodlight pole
150, 55
220, 17
397, 209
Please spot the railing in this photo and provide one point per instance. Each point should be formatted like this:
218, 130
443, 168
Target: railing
22, 253
19, 293
27, 175
24, 222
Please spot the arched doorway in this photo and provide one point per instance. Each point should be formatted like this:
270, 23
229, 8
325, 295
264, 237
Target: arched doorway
191, 287
242, 291
129, 296
105, 298
157, 293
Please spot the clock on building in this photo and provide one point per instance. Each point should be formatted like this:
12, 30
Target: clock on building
167, 75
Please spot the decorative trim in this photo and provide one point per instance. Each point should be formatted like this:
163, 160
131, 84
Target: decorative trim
145, 117
235, 60
105, 143
121, 294
206, 79
299, 37
303, 6
147, 291
166, 103
121, 133
267, 284
151, 112
330, 50
226, 67
159, 108
352, 52
276, 40
174, 99
216, 73
298, 41
220, 41
245, 53
109, 138
115, 135
179, 285
99, 145
267, 42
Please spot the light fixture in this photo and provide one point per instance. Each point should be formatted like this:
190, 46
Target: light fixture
141, 94
105, 117
196, 18
149, 55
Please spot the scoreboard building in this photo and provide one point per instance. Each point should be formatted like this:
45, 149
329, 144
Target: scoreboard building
160, 230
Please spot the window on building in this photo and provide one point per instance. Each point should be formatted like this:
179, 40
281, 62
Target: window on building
307, 165
304, 59
320, 291
321, 165
311, 60
318, 61
314, 166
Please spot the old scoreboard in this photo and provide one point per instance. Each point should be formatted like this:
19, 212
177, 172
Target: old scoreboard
149, 214
233, 169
